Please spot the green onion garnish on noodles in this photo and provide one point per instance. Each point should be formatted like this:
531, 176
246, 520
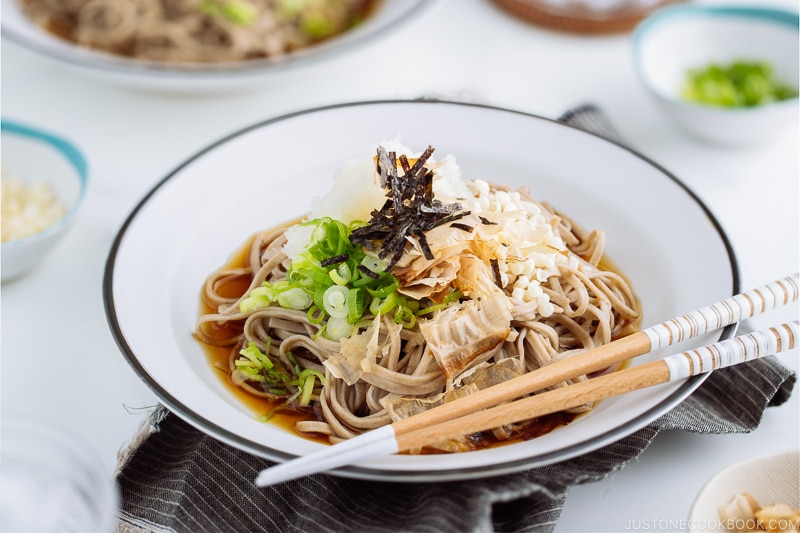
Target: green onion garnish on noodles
258, 366
274, 378
237, 11
305, 383
335, 281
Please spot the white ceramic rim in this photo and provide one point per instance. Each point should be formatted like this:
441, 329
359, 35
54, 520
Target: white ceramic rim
123, 277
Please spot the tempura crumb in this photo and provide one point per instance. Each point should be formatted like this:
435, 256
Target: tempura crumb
743, 513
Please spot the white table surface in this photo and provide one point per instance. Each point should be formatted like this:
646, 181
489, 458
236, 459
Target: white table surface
461, 49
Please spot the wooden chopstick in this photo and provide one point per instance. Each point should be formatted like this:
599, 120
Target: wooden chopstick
715, 316
672, 368
388, 438
710, 318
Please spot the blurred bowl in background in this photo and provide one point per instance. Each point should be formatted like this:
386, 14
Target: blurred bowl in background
52, 480
676, 40
44, 182
584, 16
209, 77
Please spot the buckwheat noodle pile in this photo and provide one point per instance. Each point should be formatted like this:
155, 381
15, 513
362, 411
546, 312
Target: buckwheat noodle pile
195, 31
591, 305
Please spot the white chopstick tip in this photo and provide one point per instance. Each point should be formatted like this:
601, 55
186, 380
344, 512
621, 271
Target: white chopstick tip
378, 442
276, 475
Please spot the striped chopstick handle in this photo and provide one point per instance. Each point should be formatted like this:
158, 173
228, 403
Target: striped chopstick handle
733, 351
724, 313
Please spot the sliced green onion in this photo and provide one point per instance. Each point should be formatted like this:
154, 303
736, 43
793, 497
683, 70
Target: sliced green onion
264, 291
362, 282
310, 274
341, 275
356, 305
375, 305
404, 316
447, 300
321, 232
736, 84
338, 327
315, 314
295, 298
236, 11
308, 390
295, 364
335, 301
253, 303
341, 236
384, 290
374, 263
266, 417
319, 298
389, 303
430, 309
306, 382
280, 286
253, 353
338, 282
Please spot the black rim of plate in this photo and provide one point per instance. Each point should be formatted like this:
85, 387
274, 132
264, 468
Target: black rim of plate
579, 448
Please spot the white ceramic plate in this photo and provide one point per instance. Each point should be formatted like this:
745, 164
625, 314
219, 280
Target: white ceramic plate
243, 75
770, 479
658, 232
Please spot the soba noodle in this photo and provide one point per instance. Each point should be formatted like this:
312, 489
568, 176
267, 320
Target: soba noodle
580, 304
196, 31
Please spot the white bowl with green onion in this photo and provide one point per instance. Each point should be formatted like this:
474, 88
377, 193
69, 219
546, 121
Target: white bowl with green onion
727, 75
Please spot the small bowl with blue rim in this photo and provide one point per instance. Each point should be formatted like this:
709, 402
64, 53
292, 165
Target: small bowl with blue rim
726, 75
44, 182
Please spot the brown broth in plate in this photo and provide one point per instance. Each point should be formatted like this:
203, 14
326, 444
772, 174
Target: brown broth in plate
286, 419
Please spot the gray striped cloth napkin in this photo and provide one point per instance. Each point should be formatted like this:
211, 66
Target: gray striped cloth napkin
174, 478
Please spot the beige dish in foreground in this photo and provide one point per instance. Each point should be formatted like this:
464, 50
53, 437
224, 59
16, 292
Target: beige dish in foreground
770, 479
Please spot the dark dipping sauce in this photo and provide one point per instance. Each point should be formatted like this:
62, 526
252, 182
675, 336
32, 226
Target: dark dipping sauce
286, 419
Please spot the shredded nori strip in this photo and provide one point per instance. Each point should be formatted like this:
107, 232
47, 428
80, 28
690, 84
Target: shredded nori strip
486, 221
496, 272
334, 260
445, 220
426, 249
462, 227
368, 272
409, 211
